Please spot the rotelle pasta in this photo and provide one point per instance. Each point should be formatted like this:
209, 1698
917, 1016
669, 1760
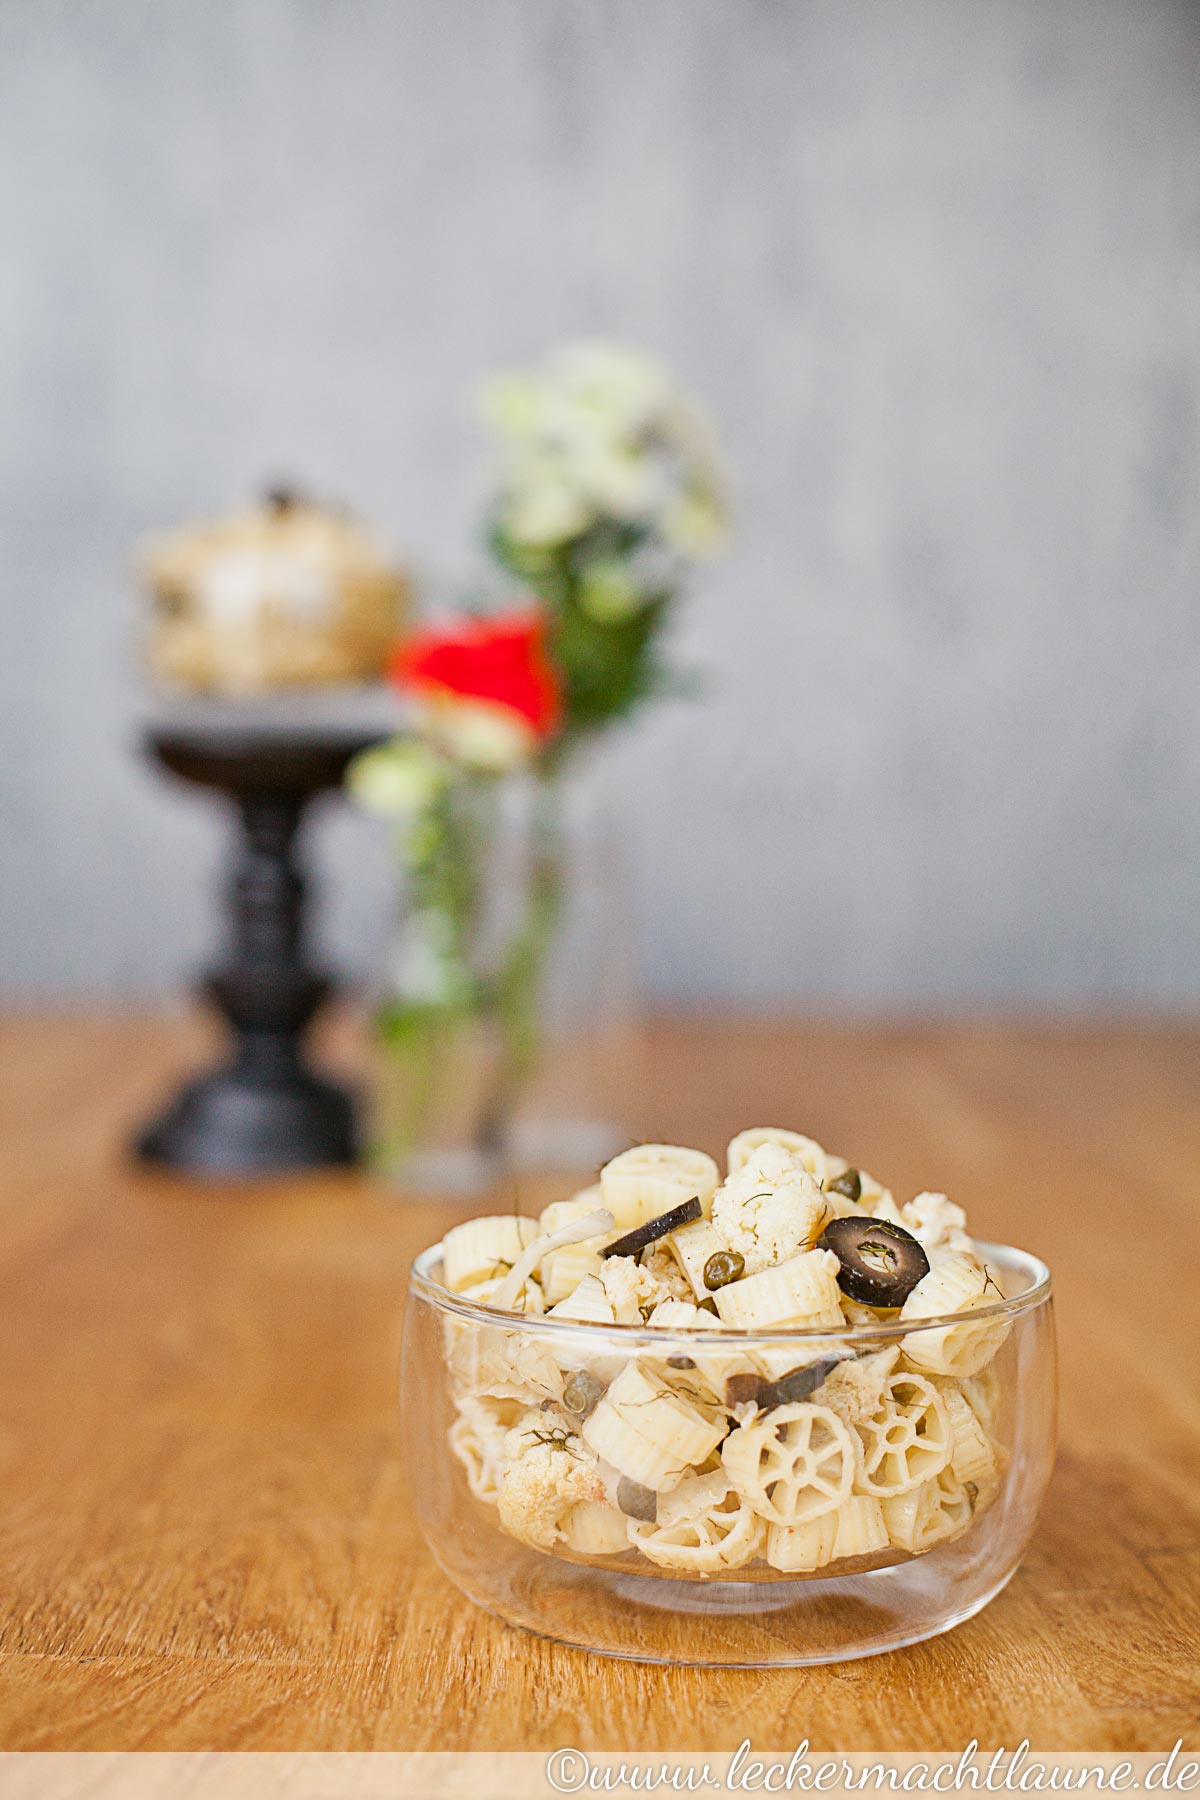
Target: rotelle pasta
822, 1397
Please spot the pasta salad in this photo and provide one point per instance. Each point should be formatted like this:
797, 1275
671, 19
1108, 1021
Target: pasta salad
859, 1447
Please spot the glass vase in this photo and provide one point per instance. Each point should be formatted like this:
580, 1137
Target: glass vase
506, 1036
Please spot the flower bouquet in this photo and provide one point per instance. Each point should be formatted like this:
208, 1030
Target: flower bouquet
607, 489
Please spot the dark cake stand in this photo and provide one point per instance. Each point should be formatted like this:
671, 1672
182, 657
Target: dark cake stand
265, 1110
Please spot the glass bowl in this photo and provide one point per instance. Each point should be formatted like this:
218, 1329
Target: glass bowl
689, 1496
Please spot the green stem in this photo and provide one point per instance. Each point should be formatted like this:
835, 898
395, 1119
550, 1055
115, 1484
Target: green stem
520, 981
444, 852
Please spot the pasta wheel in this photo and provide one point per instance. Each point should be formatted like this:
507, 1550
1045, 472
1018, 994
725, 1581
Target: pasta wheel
791, 1464
705, 1526
859, 1528
651, 1178
799, 1549
955, 1283
906, 1440
927, 1515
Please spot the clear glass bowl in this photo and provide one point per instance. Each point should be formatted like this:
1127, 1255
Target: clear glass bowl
942, 1438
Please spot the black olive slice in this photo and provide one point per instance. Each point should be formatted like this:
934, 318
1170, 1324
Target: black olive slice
636, 1501
881, 1263
797, 1384
636, 1240
740, 1388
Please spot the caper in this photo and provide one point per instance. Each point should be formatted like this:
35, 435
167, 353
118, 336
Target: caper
848, 1184
722, 1267
636, 1501
709, 1305
581, 1391
680, 1362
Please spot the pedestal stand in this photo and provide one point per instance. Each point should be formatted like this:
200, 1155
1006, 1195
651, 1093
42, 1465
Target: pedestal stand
265, 1110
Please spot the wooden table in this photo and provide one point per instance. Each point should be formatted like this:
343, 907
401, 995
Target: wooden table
205, 1540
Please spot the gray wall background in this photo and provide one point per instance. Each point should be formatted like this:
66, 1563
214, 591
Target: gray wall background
935, 269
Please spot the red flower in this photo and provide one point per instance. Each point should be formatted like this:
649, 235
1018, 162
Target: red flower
498, 663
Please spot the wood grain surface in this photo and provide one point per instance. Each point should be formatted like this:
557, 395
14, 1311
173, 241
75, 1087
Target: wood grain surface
205, 1540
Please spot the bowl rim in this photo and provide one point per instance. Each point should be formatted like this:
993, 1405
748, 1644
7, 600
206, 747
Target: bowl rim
426, 1285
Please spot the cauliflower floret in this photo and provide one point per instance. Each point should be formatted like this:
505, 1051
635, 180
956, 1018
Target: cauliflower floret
549, 1470
933, 1220
769, 1210
854, 1389
628, 1288
660, 1264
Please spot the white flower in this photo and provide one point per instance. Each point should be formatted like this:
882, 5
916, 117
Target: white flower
544, 509
609, 592
477, 735
598, 433
394, 780
694, 524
